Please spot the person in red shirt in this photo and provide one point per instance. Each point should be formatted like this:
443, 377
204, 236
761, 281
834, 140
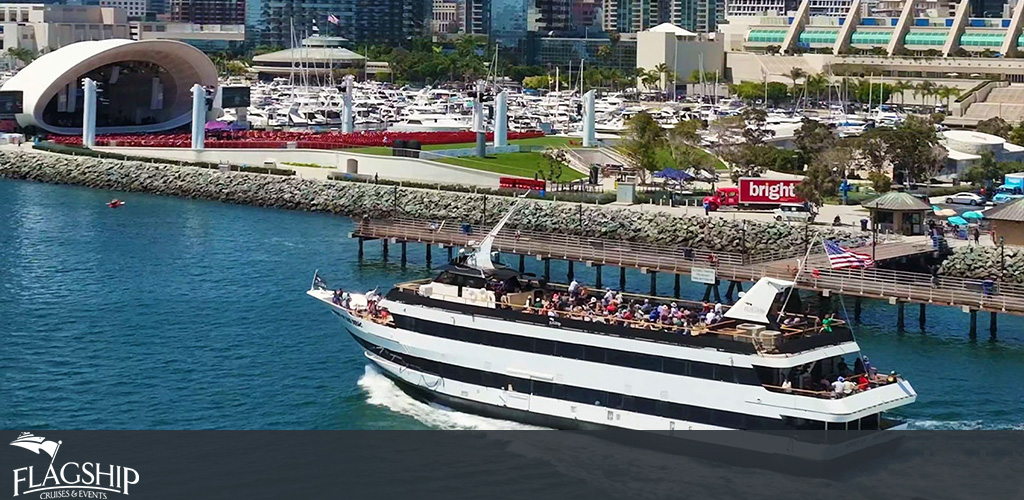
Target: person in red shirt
862, 383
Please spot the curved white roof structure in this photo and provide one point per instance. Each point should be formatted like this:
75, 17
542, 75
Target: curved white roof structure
167, 94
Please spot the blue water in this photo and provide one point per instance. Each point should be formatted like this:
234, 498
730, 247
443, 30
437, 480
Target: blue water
183, 314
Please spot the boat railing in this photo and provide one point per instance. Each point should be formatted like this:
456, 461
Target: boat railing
728, 328
873, 382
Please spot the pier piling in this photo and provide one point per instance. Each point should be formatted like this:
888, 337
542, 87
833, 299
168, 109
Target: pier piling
403, 254
654, 283
734, 286
992, 325
449, 253
547, 269
522, 263
675, 287
712, 288
428, 254
921, 316
622, 279
569, 273
900, 325
856, 309
384, 249
597, 274
359, 253
973, 333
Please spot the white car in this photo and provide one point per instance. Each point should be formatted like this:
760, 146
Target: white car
793, 213
966, 199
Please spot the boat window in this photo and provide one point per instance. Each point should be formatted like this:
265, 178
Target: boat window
445, 278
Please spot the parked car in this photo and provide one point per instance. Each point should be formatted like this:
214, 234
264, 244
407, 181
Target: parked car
966, 199
792, 212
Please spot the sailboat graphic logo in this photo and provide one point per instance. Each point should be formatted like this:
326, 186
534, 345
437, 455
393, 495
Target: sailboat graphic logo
35, 444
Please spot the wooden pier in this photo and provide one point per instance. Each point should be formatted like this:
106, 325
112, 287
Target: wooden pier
896, 287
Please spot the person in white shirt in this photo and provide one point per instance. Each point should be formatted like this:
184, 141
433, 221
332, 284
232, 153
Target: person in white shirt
574, 287
837, 386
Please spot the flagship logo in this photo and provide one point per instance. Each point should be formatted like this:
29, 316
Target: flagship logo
72, 479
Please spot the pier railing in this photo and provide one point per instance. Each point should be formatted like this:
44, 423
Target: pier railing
987, 295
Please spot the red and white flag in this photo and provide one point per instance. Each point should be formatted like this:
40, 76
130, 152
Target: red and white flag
842, 258
333, 19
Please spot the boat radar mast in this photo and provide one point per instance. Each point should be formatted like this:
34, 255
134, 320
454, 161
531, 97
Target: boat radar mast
481, 256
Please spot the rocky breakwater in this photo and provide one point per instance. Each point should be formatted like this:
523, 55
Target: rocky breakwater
985, 262
357, 199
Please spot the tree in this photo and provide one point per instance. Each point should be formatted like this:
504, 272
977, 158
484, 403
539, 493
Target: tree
663, 73
927, 89
901, 87
537, 82
795, 74
985, 172
913, 150
812, 138
823, 176
684, 142
816, 83
1016, 136
643, 138
650, 78
755, 132
995, 126
22, 54
604, 53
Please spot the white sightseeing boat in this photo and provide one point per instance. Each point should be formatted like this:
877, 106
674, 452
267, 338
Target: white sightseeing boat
469, 340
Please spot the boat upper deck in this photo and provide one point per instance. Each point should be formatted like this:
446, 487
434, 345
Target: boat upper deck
659, 319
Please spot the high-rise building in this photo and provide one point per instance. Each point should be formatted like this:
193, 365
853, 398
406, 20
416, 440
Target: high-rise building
445, 16
509, 22
831, 8
586, 15
477, 15
392, 22
206, 11
134, 8
550, 16
633, 16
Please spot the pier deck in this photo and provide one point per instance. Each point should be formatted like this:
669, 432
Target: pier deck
894, 286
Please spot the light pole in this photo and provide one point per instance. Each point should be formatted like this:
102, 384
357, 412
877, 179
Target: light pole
874, 234
1002, 258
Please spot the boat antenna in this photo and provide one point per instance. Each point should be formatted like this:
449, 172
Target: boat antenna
481, 257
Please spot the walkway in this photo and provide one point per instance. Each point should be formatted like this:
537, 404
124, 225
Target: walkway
895, 286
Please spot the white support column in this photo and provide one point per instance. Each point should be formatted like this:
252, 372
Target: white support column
846, 31
960, 20
198, 117
589, 131
347, 120
478, 120
1009, 48
501, 119
902, 28
89, 114
803, 15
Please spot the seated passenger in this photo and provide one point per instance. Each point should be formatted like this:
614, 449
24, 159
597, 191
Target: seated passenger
862, 383
848, 387
837, 387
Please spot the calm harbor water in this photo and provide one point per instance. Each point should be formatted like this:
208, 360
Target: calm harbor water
179, 314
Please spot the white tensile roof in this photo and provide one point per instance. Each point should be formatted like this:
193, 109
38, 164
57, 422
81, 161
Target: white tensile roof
52, 72
671, 28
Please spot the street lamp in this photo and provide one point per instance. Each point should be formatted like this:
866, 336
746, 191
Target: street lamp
874, 233
1002, 258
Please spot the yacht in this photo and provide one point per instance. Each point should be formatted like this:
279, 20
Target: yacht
483, 338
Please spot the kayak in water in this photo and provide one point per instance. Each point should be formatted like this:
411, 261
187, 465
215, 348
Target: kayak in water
115, 203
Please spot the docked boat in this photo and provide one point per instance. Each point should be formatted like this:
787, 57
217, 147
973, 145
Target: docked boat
483, 338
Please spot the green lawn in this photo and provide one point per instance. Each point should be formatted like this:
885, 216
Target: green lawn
547, 141
514, 164
664, 156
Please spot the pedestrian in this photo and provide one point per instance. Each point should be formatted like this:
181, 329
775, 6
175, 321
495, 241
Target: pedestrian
977, 236
707, 208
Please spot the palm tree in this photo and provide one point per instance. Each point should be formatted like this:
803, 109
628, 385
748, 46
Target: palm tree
796, 74
901, 86
662, 70
927, 89
816, 83
946, 93
649, 78
615, 78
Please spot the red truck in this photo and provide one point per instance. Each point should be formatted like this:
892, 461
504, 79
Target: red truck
756, 192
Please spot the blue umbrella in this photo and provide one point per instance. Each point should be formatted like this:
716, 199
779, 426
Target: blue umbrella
671, 173
957, 221
973, 214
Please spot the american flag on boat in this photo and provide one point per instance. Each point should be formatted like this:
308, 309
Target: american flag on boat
333, 19
842, 258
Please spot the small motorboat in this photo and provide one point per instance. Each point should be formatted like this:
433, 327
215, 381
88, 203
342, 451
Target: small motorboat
115, 203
